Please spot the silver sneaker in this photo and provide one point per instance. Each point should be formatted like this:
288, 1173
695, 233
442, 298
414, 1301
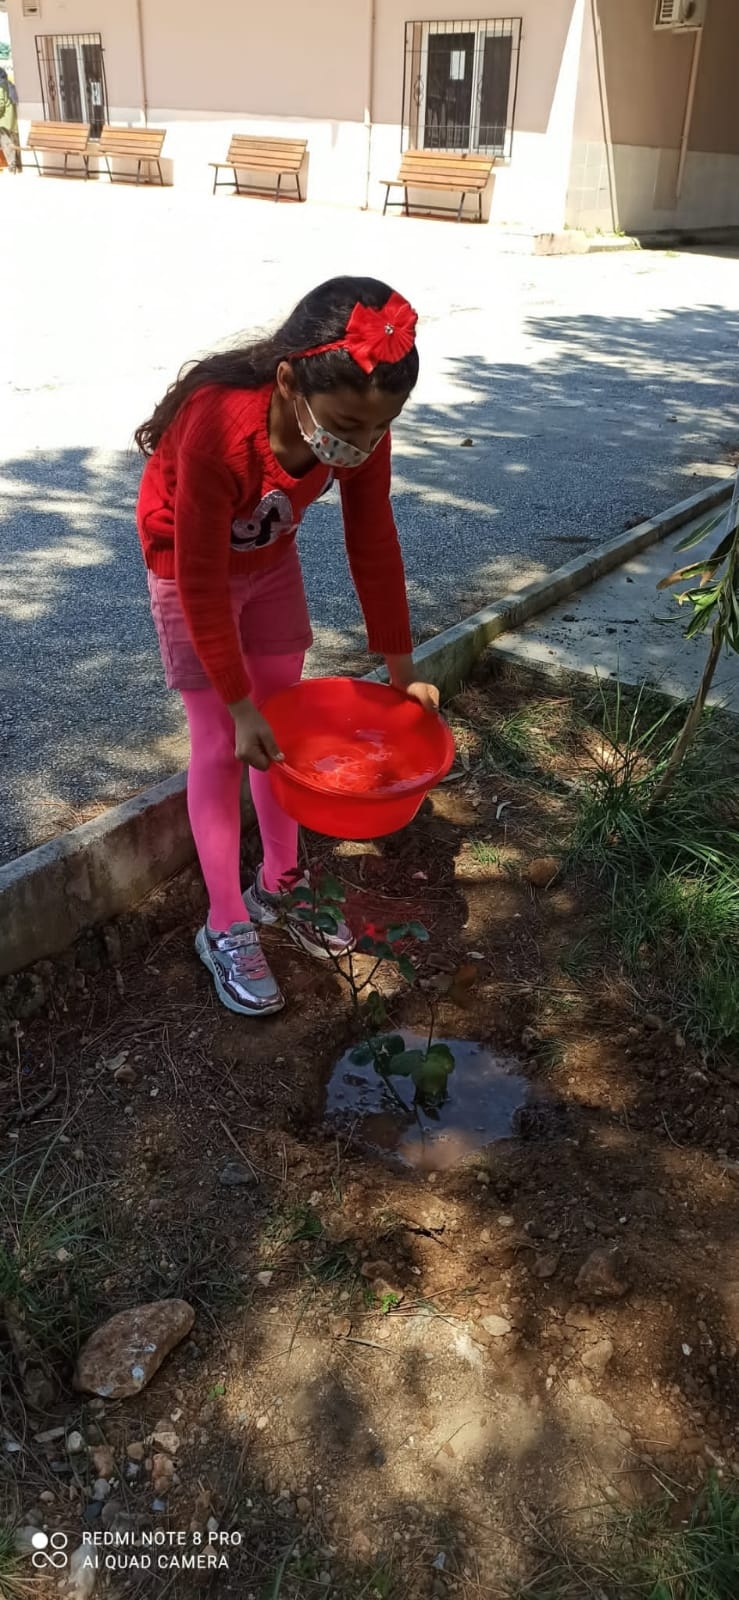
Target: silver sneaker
239, 968
266, 910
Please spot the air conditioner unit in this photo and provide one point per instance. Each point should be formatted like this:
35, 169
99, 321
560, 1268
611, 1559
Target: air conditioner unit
680, 14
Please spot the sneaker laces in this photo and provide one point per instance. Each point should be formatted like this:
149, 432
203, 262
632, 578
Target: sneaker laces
249, 960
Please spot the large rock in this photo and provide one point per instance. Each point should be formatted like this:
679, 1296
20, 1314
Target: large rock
604, 1276
123, 1355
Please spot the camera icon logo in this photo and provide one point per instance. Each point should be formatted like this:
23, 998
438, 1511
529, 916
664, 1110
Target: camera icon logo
49, 1550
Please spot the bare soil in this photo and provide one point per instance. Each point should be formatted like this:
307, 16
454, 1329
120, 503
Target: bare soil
385, 1436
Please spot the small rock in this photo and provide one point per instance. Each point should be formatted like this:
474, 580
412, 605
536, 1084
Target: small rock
603, 1276
361, 1545
82, 1572
63, 1255
136, 1451
49, 1435
125, 1075
167, 1438
91, 1513
158, 1504
23, 1539
653, 1022
123, 1355
75, 1443
341, 1327
265, 1278
497, 1327
303, 1505
506, 1221
48, 1496
542, 872
546, 1266
100, 1489
597, 1358
376, 1269
103, 1460
212, 1525
262, 1423
236, 1175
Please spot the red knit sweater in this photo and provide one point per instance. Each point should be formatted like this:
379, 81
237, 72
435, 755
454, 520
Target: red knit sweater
214, 501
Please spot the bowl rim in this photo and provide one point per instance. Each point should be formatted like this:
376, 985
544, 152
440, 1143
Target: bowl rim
421, 785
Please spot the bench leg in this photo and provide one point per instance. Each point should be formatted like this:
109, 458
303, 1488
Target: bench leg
387, 197
215, 178
39, 167
161, 176
479, 205
297, 184
407, 208
277, 190
460, 208
108, 167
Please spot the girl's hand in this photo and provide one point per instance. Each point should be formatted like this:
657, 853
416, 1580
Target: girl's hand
426, 694
255, 741
403, 676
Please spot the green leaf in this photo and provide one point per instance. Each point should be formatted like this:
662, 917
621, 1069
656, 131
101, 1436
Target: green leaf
366, 946
431, 1074
404, 1065
407, 969
417, 931
326, 921
361, 1055
388, 1302
701, 532
387, 1044
300, 897
330, 889
396, 932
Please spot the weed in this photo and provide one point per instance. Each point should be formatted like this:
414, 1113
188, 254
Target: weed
13, 1584
643, 1555
672, 872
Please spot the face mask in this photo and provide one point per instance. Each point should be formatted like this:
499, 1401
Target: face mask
332, 451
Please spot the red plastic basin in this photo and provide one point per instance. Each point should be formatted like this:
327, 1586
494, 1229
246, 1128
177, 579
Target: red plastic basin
359, 757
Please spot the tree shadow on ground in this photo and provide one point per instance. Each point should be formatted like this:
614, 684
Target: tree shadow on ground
601, 428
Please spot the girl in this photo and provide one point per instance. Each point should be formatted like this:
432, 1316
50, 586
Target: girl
237, 450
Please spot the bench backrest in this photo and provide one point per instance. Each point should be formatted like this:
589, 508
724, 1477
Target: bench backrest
276, 155
472, 171
64, 137
144, 144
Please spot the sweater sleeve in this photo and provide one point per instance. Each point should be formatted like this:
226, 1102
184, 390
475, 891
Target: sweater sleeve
205, 498
375, 558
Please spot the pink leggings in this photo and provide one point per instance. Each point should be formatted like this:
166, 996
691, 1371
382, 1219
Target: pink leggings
214, 794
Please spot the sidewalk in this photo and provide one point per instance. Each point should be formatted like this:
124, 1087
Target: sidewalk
624, 627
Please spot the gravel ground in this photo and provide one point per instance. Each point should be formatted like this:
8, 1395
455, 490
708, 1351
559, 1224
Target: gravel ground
560, 399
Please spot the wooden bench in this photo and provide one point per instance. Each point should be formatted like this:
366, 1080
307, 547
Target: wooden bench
142, 145
440, 170
279, 157
60, 139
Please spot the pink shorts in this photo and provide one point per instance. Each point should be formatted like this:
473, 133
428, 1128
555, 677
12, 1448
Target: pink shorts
269, 608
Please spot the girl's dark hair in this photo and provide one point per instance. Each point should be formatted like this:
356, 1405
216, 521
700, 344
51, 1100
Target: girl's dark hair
319, 318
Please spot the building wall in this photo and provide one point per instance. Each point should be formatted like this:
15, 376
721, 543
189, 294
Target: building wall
214, 70
646, 75
531, 189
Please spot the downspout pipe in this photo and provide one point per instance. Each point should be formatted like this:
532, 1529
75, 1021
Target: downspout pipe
688, 118
142, 62
369, 94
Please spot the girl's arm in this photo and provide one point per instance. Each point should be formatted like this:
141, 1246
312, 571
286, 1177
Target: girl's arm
377, 570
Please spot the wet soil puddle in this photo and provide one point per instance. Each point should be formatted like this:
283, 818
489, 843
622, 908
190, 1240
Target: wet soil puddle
484, 1093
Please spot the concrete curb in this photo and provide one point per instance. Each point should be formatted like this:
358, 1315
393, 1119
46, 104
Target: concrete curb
96, 871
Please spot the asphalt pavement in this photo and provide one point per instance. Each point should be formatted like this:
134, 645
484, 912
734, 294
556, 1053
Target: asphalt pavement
560, 400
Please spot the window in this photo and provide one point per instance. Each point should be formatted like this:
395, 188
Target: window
72, 73
459, 85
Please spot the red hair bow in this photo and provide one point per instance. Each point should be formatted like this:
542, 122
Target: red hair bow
373, 335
